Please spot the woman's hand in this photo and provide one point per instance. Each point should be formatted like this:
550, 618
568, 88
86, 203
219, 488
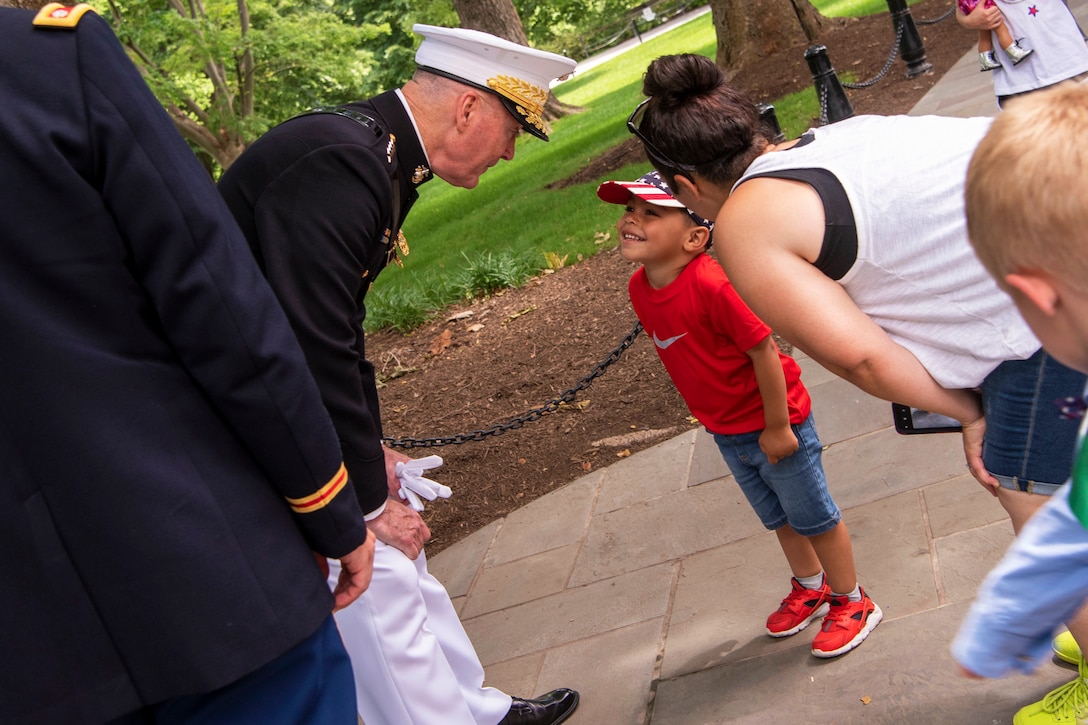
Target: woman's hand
981, 18
973, 435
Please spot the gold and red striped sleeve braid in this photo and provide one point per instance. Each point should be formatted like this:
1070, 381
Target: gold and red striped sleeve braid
323, 496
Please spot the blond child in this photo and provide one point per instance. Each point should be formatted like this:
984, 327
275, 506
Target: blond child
1034, 241
749, 395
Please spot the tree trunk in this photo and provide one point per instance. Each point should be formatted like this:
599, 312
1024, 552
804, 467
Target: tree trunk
225, 147
748, 30
499, 17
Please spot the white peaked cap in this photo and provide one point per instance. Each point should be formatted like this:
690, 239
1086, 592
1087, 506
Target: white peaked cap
520, 76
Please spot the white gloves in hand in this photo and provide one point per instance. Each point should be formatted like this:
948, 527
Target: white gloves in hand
413, 485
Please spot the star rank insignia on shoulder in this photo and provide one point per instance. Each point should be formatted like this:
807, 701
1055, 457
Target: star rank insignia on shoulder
55, 15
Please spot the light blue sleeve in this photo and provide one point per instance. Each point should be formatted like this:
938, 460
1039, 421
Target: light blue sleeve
1040, 583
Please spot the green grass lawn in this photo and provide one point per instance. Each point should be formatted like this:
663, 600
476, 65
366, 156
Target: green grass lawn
471, 242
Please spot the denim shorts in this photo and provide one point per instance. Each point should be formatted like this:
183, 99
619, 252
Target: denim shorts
1029, 445
792, 491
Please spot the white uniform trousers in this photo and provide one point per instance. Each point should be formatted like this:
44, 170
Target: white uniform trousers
413, 662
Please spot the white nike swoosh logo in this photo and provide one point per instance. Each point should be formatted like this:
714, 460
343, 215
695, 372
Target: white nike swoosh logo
665, 343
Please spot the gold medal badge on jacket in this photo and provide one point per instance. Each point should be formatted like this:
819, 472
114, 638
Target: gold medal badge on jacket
396, 248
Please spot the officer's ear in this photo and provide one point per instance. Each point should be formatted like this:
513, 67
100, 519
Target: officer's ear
468, 103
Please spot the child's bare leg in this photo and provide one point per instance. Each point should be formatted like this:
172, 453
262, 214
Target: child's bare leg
836, 553
799, 552
1011, 45
986, 41
1004, 37
830, 551
1019, 505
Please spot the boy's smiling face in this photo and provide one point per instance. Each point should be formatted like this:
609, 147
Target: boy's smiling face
654, 235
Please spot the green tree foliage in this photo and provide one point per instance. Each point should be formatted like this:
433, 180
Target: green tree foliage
560, 25
227, 70
393, 50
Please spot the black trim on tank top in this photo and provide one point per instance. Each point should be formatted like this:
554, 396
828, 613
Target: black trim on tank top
839, 249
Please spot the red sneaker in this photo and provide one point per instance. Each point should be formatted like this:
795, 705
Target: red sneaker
798, 609
846, 625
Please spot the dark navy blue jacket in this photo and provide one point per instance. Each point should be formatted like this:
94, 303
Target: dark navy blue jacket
155, 408
319, 197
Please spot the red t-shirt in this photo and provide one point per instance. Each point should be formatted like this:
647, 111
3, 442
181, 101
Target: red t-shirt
702, 331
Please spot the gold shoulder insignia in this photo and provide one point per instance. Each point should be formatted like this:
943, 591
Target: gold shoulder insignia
55, 15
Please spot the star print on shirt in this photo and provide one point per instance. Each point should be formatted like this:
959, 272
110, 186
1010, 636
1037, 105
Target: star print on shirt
1033, 11
1071, 408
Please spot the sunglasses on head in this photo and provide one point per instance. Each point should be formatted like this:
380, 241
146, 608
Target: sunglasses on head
657, 157
662, 160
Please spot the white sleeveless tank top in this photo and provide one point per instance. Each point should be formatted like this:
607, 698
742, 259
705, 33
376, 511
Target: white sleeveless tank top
916, 274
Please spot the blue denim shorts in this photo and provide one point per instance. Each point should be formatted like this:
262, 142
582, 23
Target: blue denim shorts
792, 491
1029, 445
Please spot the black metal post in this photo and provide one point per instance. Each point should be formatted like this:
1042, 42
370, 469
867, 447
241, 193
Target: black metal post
834, 105
770, 119
634, 27
910, 42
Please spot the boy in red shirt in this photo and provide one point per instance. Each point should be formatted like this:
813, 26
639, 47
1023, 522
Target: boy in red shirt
725, 364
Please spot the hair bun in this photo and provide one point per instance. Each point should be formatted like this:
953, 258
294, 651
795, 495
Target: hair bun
672, 79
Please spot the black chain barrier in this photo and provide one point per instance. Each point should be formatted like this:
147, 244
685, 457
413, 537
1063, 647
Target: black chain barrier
887, 66
551, 406
937, 19
899, 29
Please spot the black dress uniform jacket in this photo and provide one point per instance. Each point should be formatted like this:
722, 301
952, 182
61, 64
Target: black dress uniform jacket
321, 198
155, 409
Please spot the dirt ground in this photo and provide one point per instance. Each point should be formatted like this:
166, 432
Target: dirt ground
487, 363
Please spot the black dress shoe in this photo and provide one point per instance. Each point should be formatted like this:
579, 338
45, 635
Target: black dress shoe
548, 709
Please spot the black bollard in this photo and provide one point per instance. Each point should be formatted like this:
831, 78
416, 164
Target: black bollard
834, 105
910, 43
770, 119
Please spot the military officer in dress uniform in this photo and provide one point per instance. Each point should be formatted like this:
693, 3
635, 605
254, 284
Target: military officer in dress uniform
321, 198
167, 467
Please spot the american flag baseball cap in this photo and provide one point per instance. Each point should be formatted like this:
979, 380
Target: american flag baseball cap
652, 189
